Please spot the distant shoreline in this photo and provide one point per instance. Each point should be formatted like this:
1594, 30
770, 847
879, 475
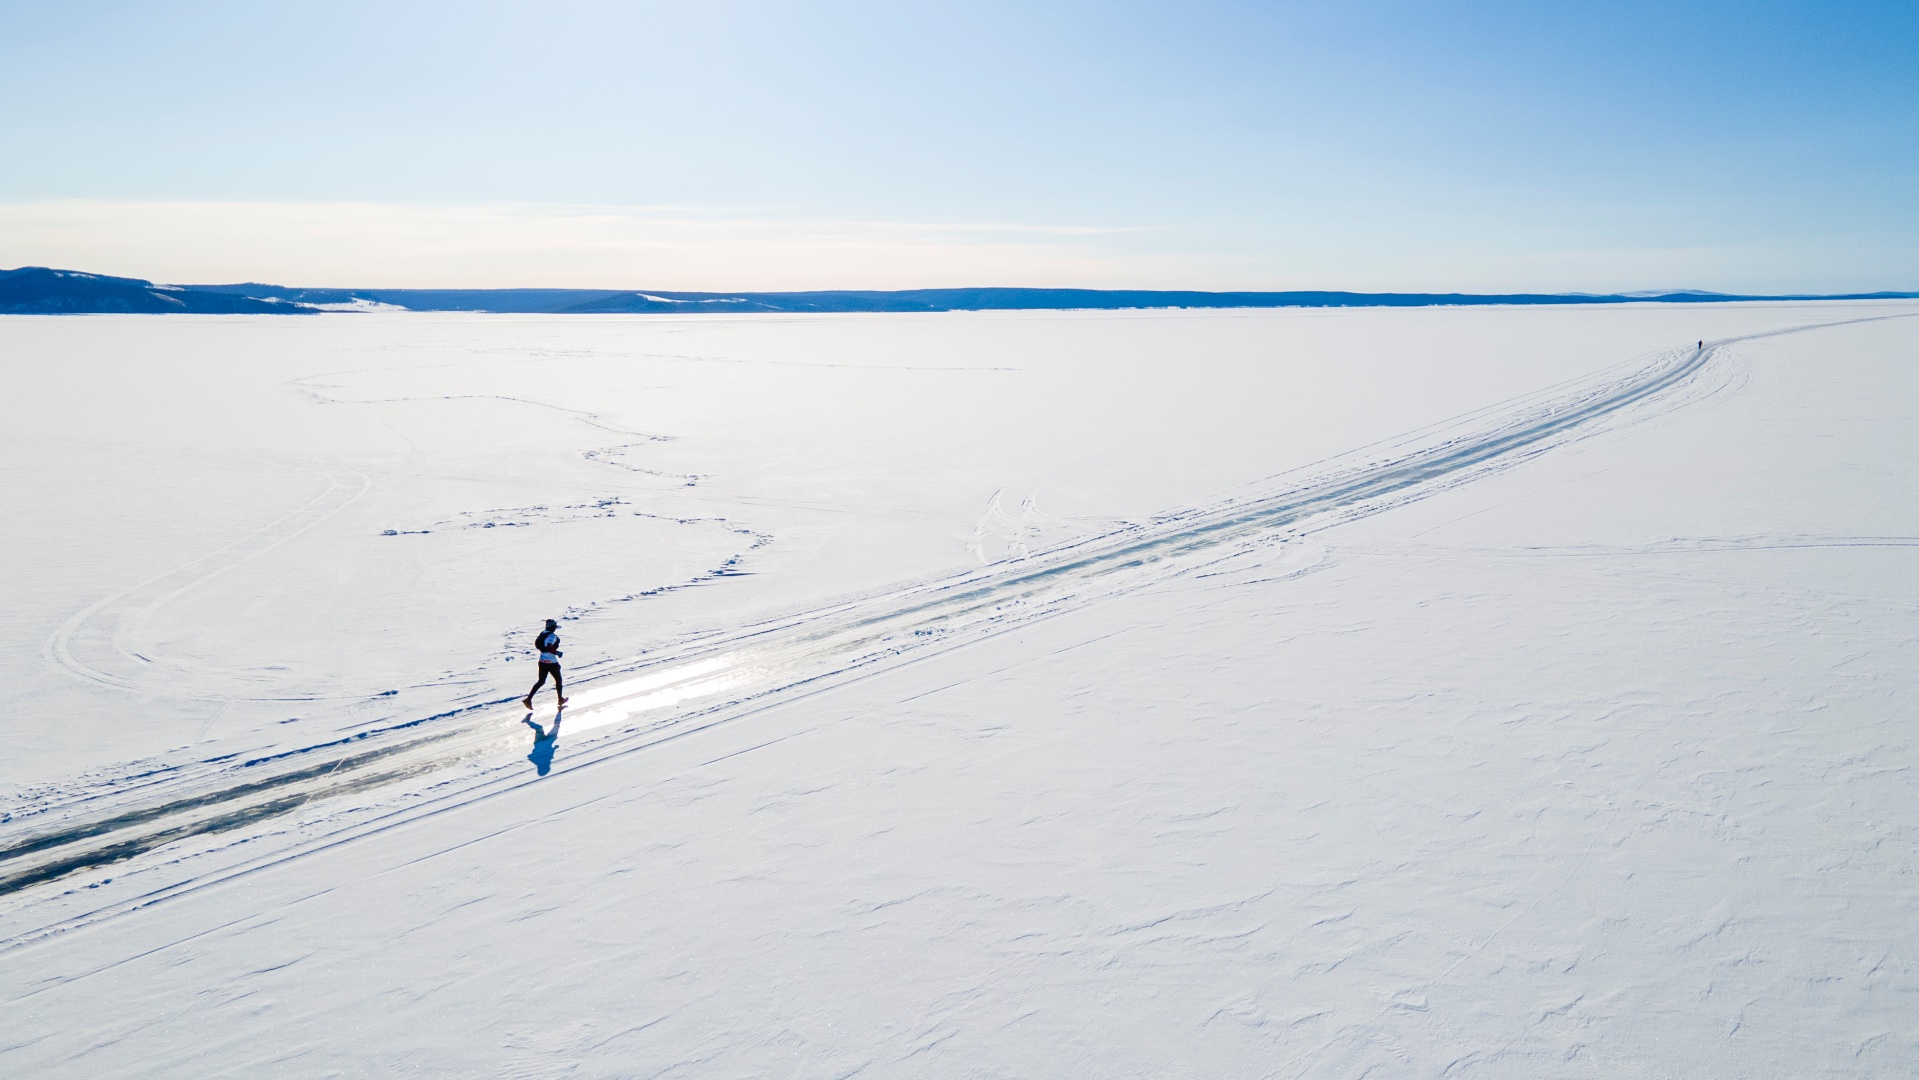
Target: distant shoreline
38, 290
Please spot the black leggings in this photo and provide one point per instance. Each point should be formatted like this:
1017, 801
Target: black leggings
545, 670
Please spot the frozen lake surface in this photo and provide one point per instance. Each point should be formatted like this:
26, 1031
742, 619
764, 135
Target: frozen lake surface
1482, 692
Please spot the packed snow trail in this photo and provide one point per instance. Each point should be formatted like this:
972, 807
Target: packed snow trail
711, 682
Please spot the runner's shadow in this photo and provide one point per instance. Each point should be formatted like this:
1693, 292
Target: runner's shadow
544, 743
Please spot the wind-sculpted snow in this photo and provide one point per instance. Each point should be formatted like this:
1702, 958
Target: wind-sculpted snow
438, 762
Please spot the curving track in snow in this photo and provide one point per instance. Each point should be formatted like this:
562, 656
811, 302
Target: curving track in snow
96, 643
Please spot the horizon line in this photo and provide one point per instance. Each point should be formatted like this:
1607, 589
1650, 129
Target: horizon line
47, 290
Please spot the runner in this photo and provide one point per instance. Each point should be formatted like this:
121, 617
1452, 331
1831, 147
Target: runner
549, 645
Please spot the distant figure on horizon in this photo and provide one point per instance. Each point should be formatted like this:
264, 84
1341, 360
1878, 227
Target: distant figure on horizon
549, 645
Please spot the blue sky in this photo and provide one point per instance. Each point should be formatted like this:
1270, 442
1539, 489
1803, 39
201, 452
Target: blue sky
1490, 146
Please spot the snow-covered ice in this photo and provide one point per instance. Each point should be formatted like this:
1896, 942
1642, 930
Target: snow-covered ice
1479, 692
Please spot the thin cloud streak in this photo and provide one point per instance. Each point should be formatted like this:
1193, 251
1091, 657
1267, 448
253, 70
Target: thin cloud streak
507, 244
722, 248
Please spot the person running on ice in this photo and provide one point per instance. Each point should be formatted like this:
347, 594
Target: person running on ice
549, 645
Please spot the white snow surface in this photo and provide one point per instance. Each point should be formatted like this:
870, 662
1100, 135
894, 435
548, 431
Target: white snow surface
1515, 692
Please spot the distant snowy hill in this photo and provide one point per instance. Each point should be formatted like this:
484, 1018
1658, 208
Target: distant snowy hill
579, 301
39, 290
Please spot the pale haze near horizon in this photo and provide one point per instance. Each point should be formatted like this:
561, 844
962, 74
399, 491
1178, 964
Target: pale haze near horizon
1484, 147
